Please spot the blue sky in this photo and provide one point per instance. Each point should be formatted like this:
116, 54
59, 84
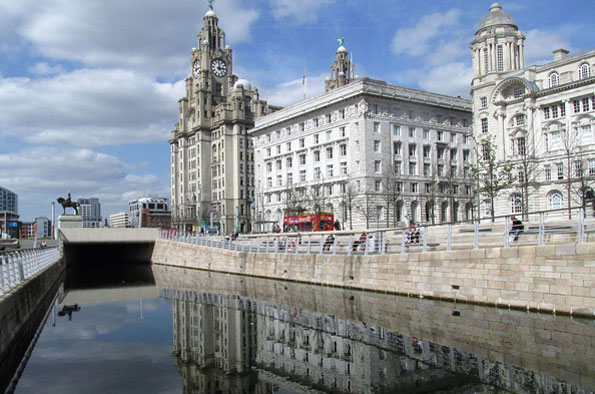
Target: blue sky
89, 89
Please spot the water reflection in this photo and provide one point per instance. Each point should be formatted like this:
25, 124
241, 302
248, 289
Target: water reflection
292, 348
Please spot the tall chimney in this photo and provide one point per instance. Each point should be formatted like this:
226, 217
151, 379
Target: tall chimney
560, 54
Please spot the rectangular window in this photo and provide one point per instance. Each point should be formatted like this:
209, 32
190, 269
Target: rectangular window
412, 132
466, 154
554, 111
302, 175
279, 165
270, 182
426, 169
426, 134
397, 148
377, 186
576, 104
329, 135
484, 125
520, 146
376, 127
302, 142
396, 130
344, 168
316, 122
317, 173
585, 104
518, 91
398, 167
452, 121
329, 118
413, 187
547, 170
278, 149
302, 159
440, 152
453, 137
343, 150
411, 114
302, 126
316, 138
376, 146
439, 118
578, 168
560, 168
427, 151
377, 166
290, 178
342, 131
329, 170
562, 110
483, 101
412, 150
316, 155
329, 153
279, 180
289, 162
412, 168
591, 166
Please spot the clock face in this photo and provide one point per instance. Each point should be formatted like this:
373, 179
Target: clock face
196, 68
219, 67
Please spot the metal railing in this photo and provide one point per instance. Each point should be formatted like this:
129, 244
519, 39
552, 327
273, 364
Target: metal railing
545, 227
20, 265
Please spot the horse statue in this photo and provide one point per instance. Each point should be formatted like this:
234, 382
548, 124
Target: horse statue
67, 203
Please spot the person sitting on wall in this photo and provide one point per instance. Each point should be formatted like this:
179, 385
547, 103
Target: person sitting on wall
517, 228
361, 241
413, 233
330, 240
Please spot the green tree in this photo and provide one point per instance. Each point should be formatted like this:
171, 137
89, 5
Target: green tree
491, 175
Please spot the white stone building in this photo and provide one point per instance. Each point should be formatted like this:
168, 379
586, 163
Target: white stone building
212, 171
369, 140
540, 117
119, 220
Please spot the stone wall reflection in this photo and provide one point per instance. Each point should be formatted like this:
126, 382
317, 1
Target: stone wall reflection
217, 338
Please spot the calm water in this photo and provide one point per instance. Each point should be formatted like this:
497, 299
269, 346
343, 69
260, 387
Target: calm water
183, 331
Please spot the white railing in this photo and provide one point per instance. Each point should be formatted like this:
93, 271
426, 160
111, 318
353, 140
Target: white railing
15, 267
469, 235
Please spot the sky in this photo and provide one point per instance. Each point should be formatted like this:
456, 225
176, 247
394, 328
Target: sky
89, 89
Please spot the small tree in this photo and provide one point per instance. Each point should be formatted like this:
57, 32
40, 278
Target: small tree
391, 192
431, 192
349, 196
364, 205
571, 143
492, 176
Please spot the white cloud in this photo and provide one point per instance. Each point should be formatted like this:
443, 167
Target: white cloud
539, 45
291, 92
89, 108
304, 11
451, 78
419, 39
45, 69
44, 173
114, 33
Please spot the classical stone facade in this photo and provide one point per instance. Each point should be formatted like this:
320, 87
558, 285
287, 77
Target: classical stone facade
372, 153
540, 118
212, 171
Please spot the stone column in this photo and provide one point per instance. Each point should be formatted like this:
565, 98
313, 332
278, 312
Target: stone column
502, 152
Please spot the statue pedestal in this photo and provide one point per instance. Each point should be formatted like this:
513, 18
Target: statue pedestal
70, 221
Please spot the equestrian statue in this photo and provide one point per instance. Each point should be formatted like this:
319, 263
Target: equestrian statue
68, 204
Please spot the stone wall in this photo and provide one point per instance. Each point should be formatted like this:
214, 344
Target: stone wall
21, 311
558, 278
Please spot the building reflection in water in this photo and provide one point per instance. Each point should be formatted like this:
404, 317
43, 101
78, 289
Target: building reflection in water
230, 344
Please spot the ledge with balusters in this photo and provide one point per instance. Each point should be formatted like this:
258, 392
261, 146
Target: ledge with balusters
20, 265
539, 228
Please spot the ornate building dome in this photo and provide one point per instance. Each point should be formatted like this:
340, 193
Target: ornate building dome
496, 17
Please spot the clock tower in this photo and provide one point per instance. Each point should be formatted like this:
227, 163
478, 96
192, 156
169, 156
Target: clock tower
212, 161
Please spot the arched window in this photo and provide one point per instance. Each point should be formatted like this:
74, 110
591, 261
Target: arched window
555, 200
486, 64
516, 204
520, 120
584, 71
500, 58
554, 79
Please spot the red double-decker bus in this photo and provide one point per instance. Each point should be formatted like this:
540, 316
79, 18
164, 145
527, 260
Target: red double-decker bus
307, 221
